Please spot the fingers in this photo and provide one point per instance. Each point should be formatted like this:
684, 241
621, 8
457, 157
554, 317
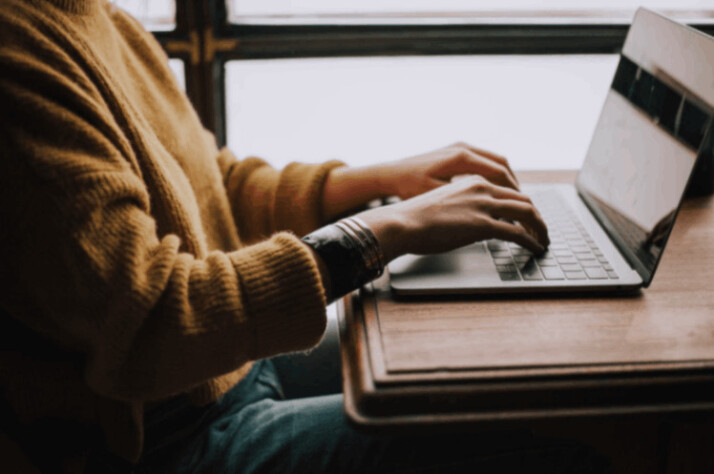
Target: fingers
493, 156
525, 214
500, 192
514, 233
501, 162
465, 163
511, 205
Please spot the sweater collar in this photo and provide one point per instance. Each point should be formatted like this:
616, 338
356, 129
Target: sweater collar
77, 6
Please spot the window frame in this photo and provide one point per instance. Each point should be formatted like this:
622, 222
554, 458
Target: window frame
205, 39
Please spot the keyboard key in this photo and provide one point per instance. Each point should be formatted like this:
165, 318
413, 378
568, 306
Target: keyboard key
509, 276
572, 248
522, 258
584, 256
613, 275
503, 260
496, 245
596, 273
521, 251
500, 253
576, 275
552, 273
530, 271
506, 268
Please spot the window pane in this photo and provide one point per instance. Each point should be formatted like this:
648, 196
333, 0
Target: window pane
539, 111
155, 15
380, 11
177, 67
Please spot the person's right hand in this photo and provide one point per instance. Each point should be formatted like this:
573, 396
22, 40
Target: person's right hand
457, 214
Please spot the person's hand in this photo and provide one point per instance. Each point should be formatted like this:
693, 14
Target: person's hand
412, 176
457, 214
349, 188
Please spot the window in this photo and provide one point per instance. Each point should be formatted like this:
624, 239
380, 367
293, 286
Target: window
177, 66
538, 110
368, 80
458, 11
155, 15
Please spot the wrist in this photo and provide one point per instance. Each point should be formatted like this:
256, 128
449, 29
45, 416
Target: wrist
377, 181
347, 189
384, 178
348, 255
388, 228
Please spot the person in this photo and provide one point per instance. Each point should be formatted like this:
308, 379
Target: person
149, 279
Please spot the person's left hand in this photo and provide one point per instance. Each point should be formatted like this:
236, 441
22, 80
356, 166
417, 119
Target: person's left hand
418, 174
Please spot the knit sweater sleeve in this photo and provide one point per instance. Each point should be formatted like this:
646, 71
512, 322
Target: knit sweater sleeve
265, 200
84, 265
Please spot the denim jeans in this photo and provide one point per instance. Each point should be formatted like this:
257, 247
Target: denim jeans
282, 418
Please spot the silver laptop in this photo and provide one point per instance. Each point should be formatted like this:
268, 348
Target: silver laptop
608, 231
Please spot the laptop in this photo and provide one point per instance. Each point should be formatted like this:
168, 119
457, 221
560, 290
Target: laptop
609, 230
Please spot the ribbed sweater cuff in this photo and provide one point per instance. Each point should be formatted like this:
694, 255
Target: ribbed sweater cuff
283, 291
298, 200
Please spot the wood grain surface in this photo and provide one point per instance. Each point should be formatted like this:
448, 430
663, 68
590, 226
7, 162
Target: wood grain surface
659, 336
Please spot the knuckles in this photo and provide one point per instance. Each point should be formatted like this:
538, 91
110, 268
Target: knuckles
502, 173
463, 146
479, 185
462, 156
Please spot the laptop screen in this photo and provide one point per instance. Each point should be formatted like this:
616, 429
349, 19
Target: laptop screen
652, 129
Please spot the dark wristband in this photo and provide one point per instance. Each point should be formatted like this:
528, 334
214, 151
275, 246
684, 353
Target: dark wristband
343, 256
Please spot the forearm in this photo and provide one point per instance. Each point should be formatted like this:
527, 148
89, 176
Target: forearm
347, 189
265, 200
139, 307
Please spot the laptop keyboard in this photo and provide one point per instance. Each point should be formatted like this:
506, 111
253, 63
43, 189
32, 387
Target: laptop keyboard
572, 254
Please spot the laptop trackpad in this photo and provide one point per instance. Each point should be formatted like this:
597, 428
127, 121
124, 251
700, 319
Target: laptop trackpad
447, 269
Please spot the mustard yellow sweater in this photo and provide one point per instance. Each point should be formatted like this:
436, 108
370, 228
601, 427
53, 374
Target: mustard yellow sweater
124, 257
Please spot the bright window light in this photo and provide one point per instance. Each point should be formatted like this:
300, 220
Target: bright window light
155, 15
539, 111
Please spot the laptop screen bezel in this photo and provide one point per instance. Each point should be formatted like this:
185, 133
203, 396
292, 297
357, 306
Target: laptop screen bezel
704, 152
627, 252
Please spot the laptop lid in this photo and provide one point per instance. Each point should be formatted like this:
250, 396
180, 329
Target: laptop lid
655, 123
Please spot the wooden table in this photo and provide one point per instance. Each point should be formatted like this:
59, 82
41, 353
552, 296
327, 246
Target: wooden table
419, 363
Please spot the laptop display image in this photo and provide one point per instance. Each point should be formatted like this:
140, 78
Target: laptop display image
609, 230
